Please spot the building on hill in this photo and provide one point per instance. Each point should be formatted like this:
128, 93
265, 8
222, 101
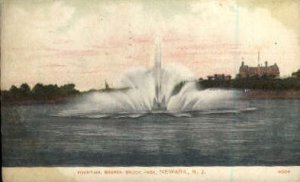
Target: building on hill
260, 70
219, 77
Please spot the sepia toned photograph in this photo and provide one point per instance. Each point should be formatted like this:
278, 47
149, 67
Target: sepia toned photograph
124, 90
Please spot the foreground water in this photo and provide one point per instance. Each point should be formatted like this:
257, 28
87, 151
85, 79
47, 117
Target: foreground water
269, 135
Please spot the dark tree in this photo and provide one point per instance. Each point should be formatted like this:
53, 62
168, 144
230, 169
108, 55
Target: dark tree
14, 91
25, 90
68, 89
38, 90
296, 74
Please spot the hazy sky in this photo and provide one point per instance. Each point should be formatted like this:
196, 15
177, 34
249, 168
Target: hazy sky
87, 42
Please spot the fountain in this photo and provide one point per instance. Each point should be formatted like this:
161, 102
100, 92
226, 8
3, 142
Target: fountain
159, 102
169, 90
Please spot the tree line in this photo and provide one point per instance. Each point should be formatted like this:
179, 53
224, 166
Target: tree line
38, 92
256, 82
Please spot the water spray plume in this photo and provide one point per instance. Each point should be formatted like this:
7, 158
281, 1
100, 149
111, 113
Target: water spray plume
168, 89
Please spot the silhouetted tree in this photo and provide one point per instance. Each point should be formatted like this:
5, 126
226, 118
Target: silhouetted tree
14, 91
296, 74
38, 90
25, 90
68, 89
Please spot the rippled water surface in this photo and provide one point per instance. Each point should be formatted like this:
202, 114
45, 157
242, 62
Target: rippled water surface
265, 133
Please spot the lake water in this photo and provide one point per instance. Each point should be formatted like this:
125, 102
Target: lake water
269, 135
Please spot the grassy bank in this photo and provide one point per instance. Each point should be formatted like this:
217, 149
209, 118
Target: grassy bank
259, 88
254, 83
271, 94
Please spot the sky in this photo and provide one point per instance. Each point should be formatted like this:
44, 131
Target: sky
88, 42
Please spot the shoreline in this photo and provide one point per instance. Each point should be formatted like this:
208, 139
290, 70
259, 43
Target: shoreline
55, 100
271, 94
246, 95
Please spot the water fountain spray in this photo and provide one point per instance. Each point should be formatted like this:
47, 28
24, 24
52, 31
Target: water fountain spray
159, 101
